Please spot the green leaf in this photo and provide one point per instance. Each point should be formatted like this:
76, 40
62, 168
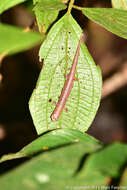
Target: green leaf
58, 138
14, 39
114, 20
46, 12
68, 167
105, 164
6, 4
45, 19
55, 139
119, 4
50, 5
58, 51
35, 1
52, 170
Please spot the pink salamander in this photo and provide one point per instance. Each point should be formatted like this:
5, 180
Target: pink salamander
67, 85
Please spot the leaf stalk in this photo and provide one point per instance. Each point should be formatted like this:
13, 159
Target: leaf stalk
77, 7
70, 6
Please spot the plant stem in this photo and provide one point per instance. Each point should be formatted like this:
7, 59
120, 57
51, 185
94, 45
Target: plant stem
115, 82
70, 6
77, 7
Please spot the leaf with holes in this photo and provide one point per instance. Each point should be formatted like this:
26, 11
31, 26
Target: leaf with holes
119, 4
6, 4
58, 52
46, 12
114, 20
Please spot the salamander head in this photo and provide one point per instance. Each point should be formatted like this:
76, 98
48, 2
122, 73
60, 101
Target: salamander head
54, 117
